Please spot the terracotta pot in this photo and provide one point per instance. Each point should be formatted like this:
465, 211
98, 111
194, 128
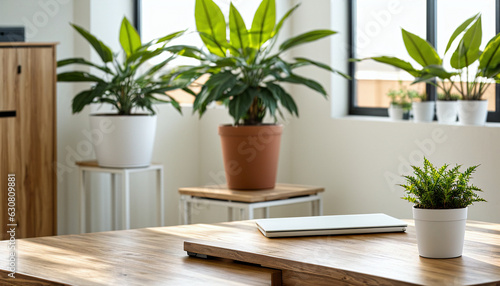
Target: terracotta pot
250, 155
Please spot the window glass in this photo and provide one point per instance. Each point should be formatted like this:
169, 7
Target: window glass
378, 32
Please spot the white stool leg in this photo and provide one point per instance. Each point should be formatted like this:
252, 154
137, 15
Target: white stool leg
250, 210
114, 215
229, 213
83, 205
126, 199
266, 212
320, 206
160, 203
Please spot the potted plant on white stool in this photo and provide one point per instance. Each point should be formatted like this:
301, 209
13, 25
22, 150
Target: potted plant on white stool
440, 197
400, 102
246, 70
127, 137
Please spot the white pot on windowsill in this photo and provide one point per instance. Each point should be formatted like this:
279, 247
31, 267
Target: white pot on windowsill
423, 111
396, 112
440, 232
472, 112
447, 111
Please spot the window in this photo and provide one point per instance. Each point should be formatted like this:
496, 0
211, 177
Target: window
376, 30
156, 18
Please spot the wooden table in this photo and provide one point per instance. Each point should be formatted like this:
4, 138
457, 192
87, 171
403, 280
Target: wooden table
373, 259
151, 256
249, 200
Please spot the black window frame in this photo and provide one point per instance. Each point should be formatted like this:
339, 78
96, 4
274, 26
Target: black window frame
431, 28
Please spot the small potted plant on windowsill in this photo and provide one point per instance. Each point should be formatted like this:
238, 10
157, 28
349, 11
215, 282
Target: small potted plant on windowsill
246, 71
440, 197
126, 138
400, 102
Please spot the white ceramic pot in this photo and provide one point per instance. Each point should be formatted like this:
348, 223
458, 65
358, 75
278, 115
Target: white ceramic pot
440, 232
395, 112
447, 111
123, 141
423, 111
472, 112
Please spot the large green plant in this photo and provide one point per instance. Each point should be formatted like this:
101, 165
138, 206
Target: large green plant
443, 188
245, 71
119, 82
471, 86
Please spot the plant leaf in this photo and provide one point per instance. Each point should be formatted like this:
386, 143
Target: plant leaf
321, 65
210, 21
239, 105
490, 58
283, 19
467, 51
82, 61
284, 98
78, 76
104, 51
305, 38
263, 23
305, 81
398, 63
129, 38
420, 50
459, 30
238, 32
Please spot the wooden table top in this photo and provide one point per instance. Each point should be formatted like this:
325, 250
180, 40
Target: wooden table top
280, 192
151, 256
373, 259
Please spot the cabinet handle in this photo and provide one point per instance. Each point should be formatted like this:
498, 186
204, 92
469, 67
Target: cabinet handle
19, 69
8, 113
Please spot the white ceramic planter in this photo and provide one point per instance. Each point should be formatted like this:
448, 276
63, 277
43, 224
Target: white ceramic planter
395, 112
447, 111
472, 112
440, 232
423, 111
123, 141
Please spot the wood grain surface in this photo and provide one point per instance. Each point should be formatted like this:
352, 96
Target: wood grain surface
280, 192
373, 259
28, 140
152, 256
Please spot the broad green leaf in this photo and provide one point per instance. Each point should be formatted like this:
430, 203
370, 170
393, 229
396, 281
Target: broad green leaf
88, 96
305, 81
210, 21
398, 63
321, 65
283, 19
459, 30
420, 50
305, 38
263, 23
215, 86
468, 51
82, 61
239, 105
238, 32
104, 51
78, 76
129, 38
437, 71
170, 37
186, 51
490, 57
269, 100
284, 98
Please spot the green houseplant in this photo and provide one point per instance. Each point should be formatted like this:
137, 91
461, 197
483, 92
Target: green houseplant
246, 69
400, 101
125, 139
440, 197
470, 85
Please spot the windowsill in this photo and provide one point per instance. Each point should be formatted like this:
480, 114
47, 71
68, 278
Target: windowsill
388, 120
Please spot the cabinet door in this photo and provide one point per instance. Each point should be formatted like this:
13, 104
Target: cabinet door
36, 206
27, 141
8, 76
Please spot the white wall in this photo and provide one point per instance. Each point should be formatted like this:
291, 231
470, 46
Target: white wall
359, 161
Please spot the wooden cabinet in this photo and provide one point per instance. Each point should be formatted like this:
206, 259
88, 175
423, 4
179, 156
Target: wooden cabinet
28, 138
